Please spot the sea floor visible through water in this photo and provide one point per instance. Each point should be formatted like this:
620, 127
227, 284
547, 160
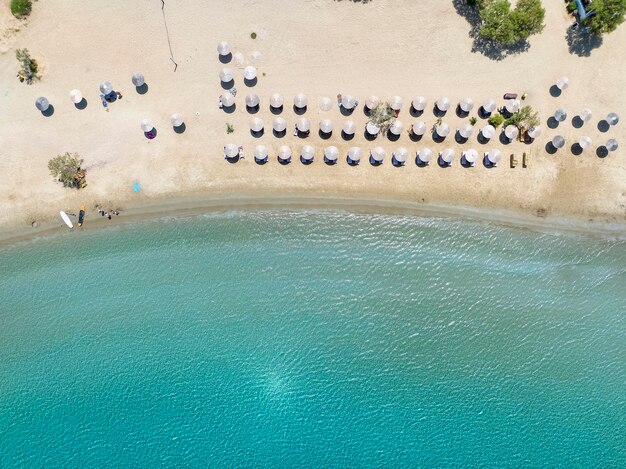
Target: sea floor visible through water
312, 338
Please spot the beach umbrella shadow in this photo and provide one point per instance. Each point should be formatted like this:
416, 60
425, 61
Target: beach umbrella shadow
230, 109
82, 104
552, 122
48, 112
550, 148
555, 91
414, 112
143, 89
180, 129
602, 151
250, 83
576, 149
225, 59
577, 122
227, 85
603, 126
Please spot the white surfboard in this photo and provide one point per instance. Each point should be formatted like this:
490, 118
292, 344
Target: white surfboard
66, 219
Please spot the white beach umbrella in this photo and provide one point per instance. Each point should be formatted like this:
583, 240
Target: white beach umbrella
331, 153
419, 103
260, 153
466, 130
238, 58
349, 127
106, 87
396, 103
223, 48
138, 79
147, 125
300, 101
612, 118
425, 155
562, 83
76, 96
177, 119
558, 141
355, 153
443, 104
255, 56
372, 128
442, 130
256, 124
471, 156
326, 126
249, 73
488, 131
611, 144
401, 154
231, 150
378, 154
494, 156
534, 132
512, 105
303, 124
227, 99
226, 75
279, 124
584, 142
276, 100
489, 105
307, 152
284, 152
42, 103
560, 114
252, 100
371, 102
511, 132
348, 101
325, 103
466, 104
396, 127
447, 155
419, 127
585, 115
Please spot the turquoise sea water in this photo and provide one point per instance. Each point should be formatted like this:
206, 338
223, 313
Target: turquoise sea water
312, 339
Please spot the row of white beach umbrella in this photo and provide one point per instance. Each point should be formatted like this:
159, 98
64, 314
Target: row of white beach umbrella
558, 141
377, 154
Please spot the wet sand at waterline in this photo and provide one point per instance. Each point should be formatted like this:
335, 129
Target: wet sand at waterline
320, 48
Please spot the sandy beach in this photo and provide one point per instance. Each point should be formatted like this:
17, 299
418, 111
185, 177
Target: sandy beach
320, 48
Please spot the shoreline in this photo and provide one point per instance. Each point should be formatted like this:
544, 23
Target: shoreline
186, 206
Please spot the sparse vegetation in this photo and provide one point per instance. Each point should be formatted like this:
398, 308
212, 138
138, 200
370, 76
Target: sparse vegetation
253, 35
525, 119
21, 8
229, 128
473, 120
507, 27
496, 120
28, 66
66, 169
382, 115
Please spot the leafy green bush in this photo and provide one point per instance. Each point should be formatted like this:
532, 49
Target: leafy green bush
507, 27
21, 8
609, 15
473, 120
28, 66
253, 35
496, 120
66, 168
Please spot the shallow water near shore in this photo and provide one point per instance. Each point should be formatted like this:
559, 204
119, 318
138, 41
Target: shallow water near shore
312, 338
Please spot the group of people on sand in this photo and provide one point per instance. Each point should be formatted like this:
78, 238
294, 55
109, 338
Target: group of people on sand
107, 213
109, 98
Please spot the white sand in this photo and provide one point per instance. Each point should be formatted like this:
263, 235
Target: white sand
321, 48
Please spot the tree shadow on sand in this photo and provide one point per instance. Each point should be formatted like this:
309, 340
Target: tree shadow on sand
581, 42
490, 49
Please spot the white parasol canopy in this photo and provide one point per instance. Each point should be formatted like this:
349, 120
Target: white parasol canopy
326, 126
584, 142
562, 83
371, 102
223, 48
252, 100
488, 131
260, 153
378, 154
279, 124
466, 131
466, 104
249, 73
419, 103
612, 118
177, 119
494, 156
284, 152
512, 105
255, 56
42, 103
560, 114
585, 115
396, 127
396, 103
331, 153
303, 124
489, 105
471, 155
372, 128
419, 128
447, 155
256, 124
534, 132
348, 101
443, 104
138, 79
401, 154
226, 75
349, 127
511, 132
300, 100
106, 87
558, 141
238, 58
76, 96
231, 150
276, 100
325, 103
442, 130
425, 155
354, 153
611, 144
147, 125
307, 152
227, 99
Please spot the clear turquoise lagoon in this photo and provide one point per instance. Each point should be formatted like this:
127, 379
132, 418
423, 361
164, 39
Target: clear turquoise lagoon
287, 338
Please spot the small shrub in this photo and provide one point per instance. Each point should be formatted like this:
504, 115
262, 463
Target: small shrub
66, 169
382, 115
229, 128
496, 120
253, 35
473, 120
28, 66
21, 8
526, 118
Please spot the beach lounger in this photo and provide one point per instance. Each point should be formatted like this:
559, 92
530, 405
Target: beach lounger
525, 160
513, 160
510, 95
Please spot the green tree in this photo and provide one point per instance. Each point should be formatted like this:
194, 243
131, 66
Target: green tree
507, 27
66, 168
21, 8
496, 120
609, 15
526, 118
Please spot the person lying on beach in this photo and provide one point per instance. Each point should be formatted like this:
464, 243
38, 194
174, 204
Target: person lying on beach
219, 102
